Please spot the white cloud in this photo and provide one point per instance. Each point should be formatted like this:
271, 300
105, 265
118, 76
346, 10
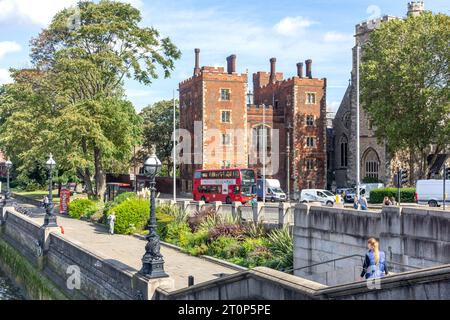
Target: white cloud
138, 93
32, 11
135, 3
40, 12
333, 106
4, 76
290, 26
334, 36
9, 47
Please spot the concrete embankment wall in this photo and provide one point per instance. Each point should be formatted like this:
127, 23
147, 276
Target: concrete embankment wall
267, 284
409, 236
59, 261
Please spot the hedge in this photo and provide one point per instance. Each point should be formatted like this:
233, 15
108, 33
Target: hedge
406, 194
82, 208
132, 216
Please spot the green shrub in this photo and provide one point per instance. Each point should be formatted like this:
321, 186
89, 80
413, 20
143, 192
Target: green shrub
280, 243
131, 216
32, 186
178, 214
225, 247
118, 200
249, 245
406, 194
178, 234
82, 208
163, 220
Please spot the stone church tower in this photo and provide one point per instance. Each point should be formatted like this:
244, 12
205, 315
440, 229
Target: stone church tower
375, 161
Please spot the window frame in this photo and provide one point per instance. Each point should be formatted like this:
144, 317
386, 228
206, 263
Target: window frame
221, 96
222, 112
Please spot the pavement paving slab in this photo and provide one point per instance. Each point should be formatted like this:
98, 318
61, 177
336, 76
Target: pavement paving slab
126, 251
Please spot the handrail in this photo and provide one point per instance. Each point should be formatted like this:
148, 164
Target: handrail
348, 257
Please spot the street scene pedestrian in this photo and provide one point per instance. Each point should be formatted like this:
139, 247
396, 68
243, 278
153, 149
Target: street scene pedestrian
111, 221
356, 203
386, 201
363, 202
45, 202
375, 261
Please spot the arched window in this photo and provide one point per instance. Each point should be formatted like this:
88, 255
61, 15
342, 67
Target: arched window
371, 164
344, 152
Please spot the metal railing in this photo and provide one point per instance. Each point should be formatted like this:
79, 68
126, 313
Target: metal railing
345, 258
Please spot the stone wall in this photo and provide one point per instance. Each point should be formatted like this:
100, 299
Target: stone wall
57, 259
410, 237
268, 284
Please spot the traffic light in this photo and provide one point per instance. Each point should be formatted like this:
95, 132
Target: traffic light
447, 173
404, 177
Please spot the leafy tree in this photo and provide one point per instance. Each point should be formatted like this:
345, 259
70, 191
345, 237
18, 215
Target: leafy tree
405, 86
158, 129
72, 101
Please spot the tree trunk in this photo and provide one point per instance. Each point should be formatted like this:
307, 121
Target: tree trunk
412, 175
85, 175
100, 176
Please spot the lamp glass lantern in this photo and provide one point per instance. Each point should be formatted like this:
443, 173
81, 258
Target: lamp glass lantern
8, 164
152, 166
51, 164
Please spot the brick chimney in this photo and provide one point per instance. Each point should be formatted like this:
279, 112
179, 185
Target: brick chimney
300, 70
308, 68
231, 64
197, 62
273, 71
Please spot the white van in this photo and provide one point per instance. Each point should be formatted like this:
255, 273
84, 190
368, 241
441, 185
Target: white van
273, 190
431, 192
325, 197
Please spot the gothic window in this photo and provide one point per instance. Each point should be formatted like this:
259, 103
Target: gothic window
310, 121
371, 164
344, 152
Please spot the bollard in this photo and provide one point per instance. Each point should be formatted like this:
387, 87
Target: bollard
190, 281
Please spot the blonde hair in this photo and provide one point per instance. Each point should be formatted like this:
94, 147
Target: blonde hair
374, 243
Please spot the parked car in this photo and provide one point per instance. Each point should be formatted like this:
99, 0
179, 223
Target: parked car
365, 189
274, 192
325, 197
431, 192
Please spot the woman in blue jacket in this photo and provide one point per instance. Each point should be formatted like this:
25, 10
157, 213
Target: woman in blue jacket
375, 262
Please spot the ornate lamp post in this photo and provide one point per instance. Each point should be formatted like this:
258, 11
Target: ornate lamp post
50, 218
8, 165
152, 261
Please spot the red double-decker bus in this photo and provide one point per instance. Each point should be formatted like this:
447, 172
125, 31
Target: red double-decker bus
226, 185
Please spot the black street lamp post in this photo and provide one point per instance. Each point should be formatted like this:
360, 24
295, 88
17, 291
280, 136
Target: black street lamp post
8, 166
50, 218
152, 261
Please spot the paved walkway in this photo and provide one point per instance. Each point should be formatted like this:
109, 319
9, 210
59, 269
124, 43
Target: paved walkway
127, 251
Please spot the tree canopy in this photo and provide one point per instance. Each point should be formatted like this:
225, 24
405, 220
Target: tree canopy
405, 85
72, 101
158, 129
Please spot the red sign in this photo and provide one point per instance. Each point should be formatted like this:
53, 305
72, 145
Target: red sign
64, 200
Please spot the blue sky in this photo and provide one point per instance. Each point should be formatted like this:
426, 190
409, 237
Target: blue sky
290, 30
